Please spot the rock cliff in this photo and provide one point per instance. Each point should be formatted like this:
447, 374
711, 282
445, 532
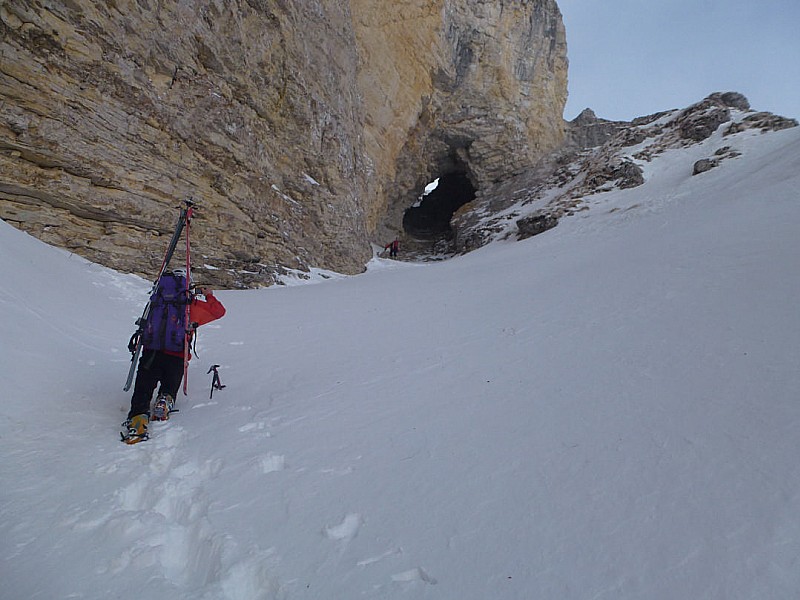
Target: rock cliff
304, 129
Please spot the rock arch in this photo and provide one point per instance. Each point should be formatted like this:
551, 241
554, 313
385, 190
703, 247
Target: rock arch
429, 219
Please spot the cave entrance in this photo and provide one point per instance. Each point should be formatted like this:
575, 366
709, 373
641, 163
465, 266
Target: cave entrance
429, 218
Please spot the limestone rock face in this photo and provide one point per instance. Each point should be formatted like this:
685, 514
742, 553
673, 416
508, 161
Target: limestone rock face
489, 105
114, 112
303, 129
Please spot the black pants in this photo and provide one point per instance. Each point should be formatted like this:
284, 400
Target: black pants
155, 367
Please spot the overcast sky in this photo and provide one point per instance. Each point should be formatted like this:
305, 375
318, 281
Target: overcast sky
630, 58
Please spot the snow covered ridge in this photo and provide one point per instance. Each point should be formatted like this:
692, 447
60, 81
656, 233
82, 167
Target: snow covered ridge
707, 133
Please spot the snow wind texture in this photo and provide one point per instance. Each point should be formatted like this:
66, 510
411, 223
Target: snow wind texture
606, 410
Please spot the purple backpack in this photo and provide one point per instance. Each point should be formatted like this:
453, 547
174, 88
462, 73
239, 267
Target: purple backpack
165, 328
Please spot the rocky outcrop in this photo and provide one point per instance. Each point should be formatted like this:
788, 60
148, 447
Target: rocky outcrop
520, 206
763, 121
623, 172
706, 164
535, 224
589, 131
303, 129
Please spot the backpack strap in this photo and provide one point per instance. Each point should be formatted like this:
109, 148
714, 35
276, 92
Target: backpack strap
161, 336
133, 343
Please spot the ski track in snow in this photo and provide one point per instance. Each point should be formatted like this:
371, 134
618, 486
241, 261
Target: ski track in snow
167, 490
160, 521
160, 518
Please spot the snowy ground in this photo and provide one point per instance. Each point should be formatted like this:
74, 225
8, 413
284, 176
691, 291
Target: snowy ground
608, 410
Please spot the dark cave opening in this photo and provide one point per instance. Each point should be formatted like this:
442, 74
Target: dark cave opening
429, 218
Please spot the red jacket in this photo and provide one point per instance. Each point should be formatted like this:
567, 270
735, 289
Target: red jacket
200, 313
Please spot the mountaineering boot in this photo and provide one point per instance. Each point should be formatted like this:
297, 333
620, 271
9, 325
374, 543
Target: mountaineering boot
137, 430
164, 405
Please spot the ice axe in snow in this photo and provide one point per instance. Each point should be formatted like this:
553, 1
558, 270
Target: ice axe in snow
216, 384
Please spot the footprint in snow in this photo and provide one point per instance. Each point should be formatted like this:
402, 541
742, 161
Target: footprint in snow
272, 462
255, 426
346, 530
162, 516
374, 559
332, 471
415, 574
204, 404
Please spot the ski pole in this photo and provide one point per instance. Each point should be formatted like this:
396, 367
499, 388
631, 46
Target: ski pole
189, 214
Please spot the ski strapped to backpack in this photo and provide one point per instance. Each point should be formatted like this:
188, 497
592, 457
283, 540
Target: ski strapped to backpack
188, 326
137, 339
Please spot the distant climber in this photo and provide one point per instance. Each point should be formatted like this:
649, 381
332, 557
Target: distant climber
393, 247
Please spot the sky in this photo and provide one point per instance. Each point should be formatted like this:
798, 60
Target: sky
630, 58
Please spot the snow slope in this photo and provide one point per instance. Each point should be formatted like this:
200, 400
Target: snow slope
607, 410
